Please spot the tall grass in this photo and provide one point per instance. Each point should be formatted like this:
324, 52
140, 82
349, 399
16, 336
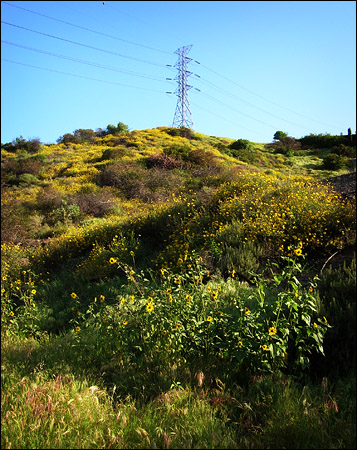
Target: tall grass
45, 407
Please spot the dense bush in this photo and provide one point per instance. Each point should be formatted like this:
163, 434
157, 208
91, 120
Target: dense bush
191, 156
183, 132
28, 178
135, 181
333, 161
162, 161
286, 146
241, 144
124, 176
344, 150
78, 136
93, 204
66, 213
324, 141
115, 153
12, 222
31, 146
248, 155
48, 199
235, 253
21, 166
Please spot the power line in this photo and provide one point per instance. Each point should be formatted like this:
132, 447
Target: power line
102, 66
248, 103
88, 29
260, 96
183, 104
223, 118
163, 51
236, 110
81, 76
83, 45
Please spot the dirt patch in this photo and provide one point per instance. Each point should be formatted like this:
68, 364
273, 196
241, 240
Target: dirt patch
344, 184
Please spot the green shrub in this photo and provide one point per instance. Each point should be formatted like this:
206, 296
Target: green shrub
121, 128
183, 132
180, 152
236, 254
21, 166
333, 161
115, 153
248, 155
344, 150
28, 178
286, 146
66, 214
31, 146
124, 176
323, 141
241, 144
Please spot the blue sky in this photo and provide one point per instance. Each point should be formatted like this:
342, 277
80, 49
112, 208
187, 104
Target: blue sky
257, 66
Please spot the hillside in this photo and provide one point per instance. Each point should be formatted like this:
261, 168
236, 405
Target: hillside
47, 189
161, 283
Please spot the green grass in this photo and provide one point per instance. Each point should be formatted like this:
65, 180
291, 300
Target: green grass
47, 405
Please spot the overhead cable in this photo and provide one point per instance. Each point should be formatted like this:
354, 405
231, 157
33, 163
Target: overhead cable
251, 104
258, 95
82, 76
101, 66
84, 45
236, 110
88, 29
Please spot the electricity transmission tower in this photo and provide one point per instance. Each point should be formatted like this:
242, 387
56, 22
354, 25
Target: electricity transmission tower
183, 116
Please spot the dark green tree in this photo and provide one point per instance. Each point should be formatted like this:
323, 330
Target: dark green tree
279, 135
85, 135
119, 129
122, 128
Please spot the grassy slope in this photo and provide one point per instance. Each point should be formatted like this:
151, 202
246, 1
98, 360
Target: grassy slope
176, 412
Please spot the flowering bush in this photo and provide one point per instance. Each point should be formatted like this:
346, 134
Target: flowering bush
182, 321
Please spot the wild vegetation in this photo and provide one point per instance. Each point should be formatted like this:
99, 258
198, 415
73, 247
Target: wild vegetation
162, 288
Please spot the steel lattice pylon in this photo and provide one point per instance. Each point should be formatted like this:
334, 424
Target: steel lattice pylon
183, 116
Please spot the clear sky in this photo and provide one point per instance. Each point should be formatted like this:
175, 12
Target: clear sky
257, 66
